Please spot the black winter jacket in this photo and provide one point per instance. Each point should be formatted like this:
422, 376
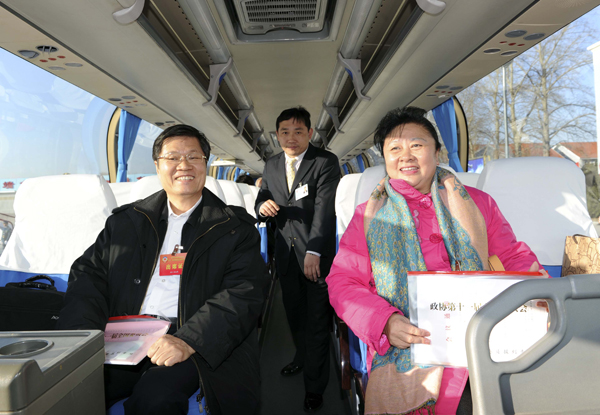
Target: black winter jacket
222, 288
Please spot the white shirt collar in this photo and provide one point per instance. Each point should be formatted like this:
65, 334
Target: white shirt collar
298, 157
184, 214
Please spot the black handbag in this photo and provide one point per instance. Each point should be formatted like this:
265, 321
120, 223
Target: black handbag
30, 305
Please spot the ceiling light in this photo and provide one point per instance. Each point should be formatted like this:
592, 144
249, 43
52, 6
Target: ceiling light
456, 88
509, 53
29, 54
114, 99
442, 87
73, 64
56, 68
516, 33
492, 50
128, 97
534, 36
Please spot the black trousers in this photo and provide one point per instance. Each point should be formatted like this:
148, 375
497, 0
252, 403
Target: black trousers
151, 389
308, 313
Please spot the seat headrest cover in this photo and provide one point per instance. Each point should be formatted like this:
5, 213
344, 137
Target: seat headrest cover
213, 185
232, 193
249, 197
122, 192
144, 187
368, 180
57, 219
344, 200
543, 199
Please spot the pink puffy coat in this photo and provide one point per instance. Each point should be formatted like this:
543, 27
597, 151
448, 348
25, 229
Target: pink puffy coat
352, 289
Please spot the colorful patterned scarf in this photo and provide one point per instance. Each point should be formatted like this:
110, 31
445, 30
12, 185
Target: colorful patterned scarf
395, 385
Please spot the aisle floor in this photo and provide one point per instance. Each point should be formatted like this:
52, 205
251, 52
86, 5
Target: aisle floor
285, 395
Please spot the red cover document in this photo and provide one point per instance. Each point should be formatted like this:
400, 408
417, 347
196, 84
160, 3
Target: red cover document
127, 339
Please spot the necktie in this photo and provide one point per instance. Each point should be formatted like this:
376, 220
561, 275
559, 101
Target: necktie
290, 172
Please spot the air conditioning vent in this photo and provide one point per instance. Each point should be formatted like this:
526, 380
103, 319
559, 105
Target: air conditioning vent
261, 16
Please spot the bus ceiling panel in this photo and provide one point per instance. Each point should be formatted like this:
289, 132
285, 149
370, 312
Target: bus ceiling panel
533, 26
434, 46
133, 60
284, 74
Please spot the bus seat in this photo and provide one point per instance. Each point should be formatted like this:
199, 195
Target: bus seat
344, 201
543, 199
249, 197
213, 185
254, 191
122, 192
559, 373
144, 187
232, 193
367, 182
193, 407
468, 179
57, 219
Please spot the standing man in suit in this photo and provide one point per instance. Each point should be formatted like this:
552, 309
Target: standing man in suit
298, 191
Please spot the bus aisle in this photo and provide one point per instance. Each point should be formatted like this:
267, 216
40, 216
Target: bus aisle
285, 395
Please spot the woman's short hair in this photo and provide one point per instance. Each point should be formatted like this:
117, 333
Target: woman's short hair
402, 116
180, 130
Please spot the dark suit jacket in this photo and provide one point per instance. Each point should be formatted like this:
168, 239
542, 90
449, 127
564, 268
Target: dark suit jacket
307, 224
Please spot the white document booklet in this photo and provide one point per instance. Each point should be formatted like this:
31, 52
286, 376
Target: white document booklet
444, 302
127, 339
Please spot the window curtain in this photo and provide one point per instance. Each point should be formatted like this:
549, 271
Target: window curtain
128, 129
445, 119
361, 165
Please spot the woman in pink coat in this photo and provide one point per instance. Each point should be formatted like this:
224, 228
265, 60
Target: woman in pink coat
420, 217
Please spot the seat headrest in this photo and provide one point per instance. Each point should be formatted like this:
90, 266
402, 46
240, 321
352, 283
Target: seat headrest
468, 179
57, 219
122, 192
367, 182
249, 197
543, 199
144, 187
213, 185
232, 193
344, 200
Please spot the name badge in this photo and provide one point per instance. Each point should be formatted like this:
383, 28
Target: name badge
301, 192
171, 264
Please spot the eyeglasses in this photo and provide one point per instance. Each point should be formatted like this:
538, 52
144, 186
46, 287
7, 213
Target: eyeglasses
175, 159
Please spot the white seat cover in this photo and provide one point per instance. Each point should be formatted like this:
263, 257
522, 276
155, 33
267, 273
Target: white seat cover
344, 201
122, 192
57, 219
212, 184
144, 187
367, 182
468, 179
232, 193
249, 197
543, 199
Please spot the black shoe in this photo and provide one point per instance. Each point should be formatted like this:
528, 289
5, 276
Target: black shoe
291, 369
312, 402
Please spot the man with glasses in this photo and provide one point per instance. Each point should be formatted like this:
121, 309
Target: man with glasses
213, 302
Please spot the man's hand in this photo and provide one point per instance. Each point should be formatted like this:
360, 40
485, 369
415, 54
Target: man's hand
312, 271
402, 334
169, 350
269, 208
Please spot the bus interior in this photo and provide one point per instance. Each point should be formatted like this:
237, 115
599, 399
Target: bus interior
228, 68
